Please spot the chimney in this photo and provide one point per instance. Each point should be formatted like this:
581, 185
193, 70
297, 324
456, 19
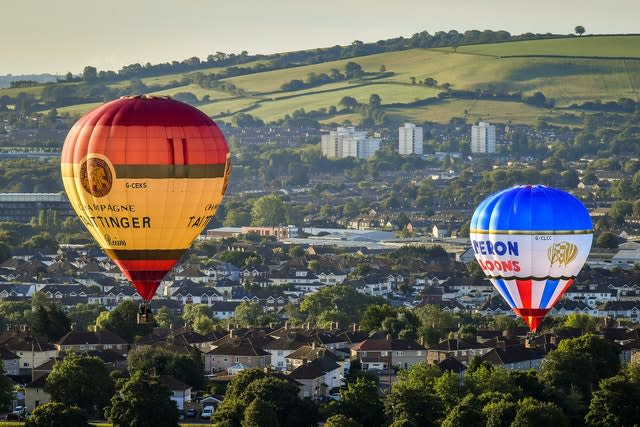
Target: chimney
337, 325
286, 326
313, 344
388, 337
355, 327
230, 332
308, 325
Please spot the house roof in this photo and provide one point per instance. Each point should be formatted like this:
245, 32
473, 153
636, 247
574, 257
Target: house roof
99, 337
515, 354
238, 347
314, 369
454, 344
172, 383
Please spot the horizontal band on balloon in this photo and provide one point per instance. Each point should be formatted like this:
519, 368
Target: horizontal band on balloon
145, 111
531, 232
158, 171
145, 255
171, 171
541, 278
147, 264
535, 312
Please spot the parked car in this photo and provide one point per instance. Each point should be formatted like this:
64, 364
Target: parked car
19, 410
191, 412
14, 417
206, 412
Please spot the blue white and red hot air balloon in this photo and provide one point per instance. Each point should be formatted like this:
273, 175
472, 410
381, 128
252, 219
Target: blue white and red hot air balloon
531, 241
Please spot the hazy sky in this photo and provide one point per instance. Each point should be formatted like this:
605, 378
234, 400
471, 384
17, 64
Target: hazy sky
66, 35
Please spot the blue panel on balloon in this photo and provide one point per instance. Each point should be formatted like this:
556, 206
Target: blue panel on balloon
512, 209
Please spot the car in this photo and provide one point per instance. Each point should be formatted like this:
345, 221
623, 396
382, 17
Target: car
14, 417
206, 412
191, 413
19, 410
334, 396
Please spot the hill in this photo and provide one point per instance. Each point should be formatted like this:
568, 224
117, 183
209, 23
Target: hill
519, 81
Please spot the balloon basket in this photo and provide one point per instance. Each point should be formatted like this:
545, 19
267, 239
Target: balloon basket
145, 315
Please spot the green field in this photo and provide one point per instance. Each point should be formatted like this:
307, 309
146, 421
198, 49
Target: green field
600, 46
566, 70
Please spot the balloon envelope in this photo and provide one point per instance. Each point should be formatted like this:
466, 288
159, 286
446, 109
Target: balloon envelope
145, 175
531, 241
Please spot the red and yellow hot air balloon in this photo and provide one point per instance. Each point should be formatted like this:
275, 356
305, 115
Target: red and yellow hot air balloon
145, 175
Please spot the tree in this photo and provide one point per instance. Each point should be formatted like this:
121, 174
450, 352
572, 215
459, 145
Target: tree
340, 420
353, 70
336, 303
533, 413
6, 389
374, 315
615, 403
500, 413
282, 395
348, 102
142, 401
51, 321
466, 413
80, 380
580, 362
268, 211
607, 240
56, 414
85, 315
375, 100
123, 321
579, 30
259, 414
361, 403
187, 368
90, 74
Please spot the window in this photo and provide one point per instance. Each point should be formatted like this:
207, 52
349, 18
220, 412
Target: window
237, 359
383, 353
399, 353
225, 359
363, 354
280, 352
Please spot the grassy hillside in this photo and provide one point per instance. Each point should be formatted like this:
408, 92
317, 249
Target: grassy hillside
566, 70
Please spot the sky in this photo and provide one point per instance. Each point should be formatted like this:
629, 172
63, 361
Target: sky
67, 35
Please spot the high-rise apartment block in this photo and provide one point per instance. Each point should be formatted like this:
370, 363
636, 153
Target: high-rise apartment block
410, 139
348, 142
483, 138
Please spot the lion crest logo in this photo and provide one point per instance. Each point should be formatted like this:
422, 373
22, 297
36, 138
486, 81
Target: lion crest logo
562, 253
96, 177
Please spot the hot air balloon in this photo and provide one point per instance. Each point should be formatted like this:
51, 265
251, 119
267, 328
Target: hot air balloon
531, 241
145, 175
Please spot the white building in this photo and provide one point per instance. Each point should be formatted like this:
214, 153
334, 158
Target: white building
410, 139
348, 142
483, 138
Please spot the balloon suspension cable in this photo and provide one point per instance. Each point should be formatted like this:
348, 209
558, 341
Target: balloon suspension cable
145, 315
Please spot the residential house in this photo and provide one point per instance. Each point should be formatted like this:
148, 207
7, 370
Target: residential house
81, 341
621, 310
31, 349
222, 310
10, 361
282, 347
461, 350
318, 377
196, 294
180, 392
407, 353
373, 354
34, 394
516, 357
236, 351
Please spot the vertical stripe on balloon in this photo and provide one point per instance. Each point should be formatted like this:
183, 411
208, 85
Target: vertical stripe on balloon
502, 289
559, 294
549, 289
524, 289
